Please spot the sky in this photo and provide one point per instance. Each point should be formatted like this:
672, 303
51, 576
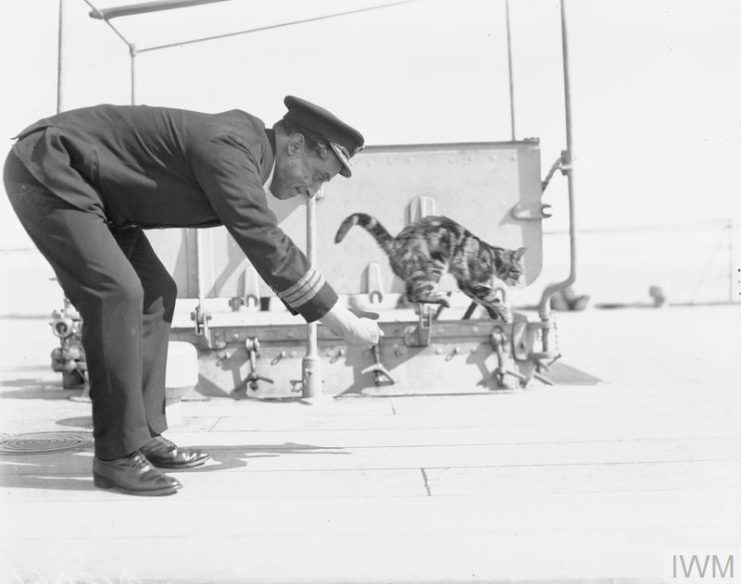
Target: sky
656, 84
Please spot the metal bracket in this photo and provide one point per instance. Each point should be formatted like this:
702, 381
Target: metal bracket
419, 207
253, 377
201, 318
374, 282
562, 163
533, 211
421, 335
249, 291
251, 287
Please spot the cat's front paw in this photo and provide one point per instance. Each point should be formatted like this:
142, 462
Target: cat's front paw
501, 314
443, 300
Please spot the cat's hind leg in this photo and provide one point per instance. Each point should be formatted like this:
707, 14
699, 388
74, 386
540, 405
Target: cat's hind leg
489, 297
422, 286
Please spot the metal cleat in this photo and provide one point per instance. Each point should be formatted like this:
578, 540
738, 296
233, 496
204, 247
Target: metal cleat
379, 371
201, 319
253, 377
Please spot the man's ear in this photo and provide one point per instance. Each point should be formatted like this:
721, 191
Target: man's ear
296, 143
323, 150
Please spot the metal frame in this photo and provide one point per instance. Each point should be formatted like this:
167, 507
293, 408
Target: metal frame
107, 14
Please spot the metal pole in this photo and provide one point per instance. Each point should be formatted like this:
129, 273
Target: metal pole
311, 364
509, 71
544, 308
144, 7
132, 52
60, 51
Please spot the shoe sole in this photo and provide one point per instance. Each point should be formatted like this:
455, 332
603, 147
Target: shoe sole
104, 483
193, 464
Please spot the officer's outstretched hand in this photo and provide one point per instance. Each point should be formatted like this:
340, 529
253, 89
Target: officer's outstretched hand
354, 330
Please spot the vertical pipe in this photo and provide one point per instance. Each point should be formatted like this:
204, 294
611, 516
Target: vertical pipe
200, 269
310, 365
568, 157
566, 85
510, 73
569, 162
60, 51
132, 52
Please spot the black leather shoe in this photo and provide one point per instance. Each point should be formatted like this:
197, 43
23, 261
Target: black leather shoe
133, 474
165, 454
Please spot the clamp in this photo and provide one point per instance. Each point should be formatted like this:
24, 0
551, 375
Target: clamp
253, 377
379, 371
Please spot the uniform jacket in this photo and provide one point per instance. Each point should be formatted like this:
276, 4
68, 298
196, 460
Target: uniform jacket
162, 167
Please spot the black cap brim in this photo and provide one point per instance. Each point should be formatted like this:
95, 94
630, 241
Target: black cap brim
345, 171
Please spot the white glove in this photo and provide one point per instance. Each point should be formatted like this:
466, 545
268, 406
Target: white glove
355, 331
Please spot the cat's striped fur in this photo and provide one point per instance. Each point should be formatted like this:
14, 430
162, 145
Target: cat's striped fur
423, 251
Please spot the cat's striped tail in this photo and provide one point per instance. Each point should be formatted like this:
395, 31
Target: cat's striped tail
370, 224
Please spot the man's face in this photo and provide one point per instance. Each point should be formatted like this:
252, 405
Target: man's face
301, 171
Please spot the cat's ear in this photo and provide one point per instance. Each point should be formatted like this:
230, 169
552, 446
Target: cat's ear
519, 253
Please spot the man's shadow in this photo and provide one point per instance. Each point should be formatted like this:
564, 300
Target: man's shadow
229, 457
71, 470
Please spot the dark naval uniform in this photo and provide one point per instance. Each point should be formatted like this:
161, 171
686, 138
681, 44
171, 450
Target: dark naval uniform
86, 183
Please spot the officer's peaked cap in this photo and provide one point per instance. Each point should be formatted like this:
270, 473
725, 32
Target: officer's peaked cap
344, 140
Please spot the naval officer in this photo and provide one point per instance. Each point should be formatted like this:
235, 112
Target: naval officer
86, 184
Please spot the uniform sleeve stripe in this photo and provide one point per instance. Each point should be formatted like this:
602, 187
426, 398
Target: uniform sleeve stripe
298, 285
296, 296
304, 290
307, 292
315, 288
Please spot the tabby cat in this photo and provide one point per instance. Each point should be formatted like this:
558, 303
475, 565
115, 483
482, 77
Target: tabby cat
423, 251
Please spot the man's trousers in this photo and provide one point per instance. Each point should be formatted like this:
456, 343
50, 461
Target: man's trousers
126, 299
